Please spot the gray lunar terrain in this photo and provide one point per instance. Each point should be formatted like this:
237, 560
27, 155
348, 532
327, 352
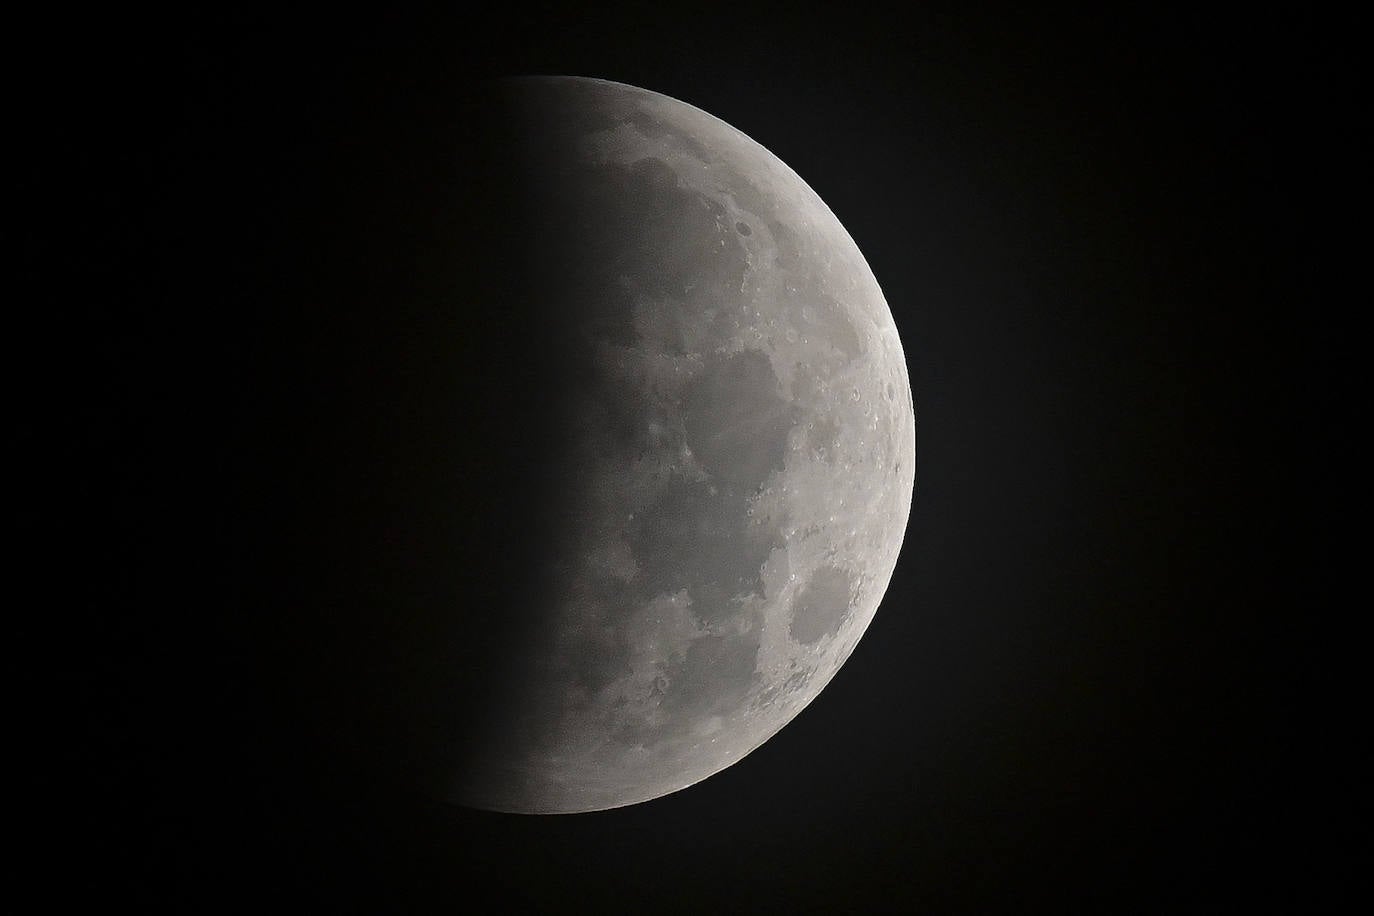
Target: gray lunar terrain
741, 454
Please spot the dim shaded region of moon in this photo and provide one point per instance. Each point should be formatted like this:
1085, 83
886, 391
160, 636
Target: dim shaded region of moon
736, 445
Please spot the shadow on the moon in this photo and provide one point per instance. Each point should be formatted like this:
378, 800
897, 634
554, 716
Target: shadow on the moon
405, 463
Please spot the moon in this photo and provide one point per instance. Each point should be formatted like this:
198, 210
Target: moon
737, 442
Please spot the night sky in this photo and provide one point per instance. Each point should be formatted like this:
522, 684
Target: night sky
1078, 694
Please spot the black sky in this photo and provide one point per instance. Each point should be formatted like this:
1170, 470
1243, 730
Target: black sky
1078, 693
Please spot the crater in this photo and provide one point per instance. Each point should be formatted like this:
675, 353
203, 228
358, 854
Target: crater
743, 229
820, 607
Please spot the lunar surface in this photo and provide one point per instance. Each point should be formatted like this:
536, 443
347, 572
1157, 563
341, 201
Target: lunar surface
738, 440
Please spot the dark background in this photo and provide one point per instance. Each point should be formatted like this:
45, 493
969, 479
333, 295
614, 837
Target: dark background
1079, 693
